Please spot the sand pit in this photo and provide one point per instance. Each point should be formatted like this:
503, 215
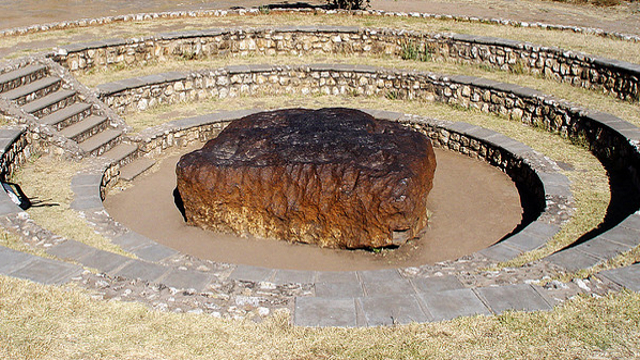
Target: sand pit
474, 205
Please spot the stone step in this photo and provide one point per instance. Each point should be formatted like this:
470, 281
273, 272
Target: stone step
121, 154
50, 103
132, 170
68, 115
85, 128
101, 142
36, 89
13, 79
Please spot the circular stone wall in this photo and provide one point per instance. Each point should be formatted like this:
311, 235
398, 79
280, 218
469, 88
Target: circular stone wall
474, 205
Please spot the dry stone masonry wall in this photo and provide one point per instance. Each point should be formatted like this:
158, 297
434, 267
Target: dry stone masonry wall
538, 178
15, 149
618, 78
613, 140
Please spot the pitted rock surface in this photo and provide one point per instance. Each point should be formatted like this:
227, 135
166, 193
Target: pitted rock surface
334, 177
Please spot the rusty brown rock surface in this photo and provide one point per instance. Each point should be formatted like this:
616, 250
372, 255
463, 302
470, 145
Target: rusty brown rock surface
334, 177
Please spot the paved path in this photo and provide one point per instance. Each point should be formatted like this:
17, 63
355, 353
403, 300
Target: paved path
382, 297
35, 268
357, 298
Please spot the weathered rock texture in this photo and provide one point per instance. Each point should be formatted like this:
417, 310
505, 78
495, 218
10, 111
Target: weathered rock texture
333, 177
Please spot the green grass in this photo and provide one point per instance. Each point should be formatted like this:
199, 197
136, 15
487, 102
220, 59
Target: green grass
409, 50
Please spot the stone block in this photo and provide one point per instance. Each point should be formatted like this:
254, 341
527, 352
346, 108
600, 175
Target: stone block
261, 68
365, 68
602, 248
151, 79
500, 252
628, 276
553, 178
337, 277
174, 76
463, 79
392, 310
385, 282
87, 203
82, 180
112, 88
437, 284
572, 259
130, 241
480, 133
47, 271
632, 222
104, 261
155, 252
525, 241
447, 305
186, 279
313, 311
252, 273
283, 277
11, 260
339, 289
143, 270
86, 191
484, 83
238, 69
7, 206
520, 297
542, 229
71, 250
214, 32
623, 235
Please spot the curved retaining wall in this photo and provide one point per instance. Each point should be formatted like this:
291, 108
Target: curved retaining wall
15, 149
620, 79
613, 140
525, 166
537, 175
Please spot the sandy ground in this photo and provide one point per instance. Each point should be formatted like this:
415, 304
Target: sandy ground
624, 18
474, 205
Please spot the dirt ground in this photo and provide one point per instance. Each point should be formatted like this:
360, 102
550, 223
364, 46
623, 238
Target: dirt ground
474, 205
624, 18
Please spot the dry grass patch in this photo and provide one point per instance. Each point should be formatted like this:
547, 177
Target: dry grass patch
14, 242
590, 44
46, 322
624, 259
48, 178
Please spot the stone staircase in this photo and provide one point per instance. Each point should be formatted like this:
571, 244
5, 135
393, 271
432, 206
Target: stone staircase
38, 91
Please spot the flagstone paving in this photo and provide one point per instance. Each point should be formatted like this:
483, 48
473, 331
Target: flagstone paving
356, 298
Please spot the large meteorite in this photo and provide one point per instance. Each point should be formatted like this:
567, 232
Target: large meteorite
335, 177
